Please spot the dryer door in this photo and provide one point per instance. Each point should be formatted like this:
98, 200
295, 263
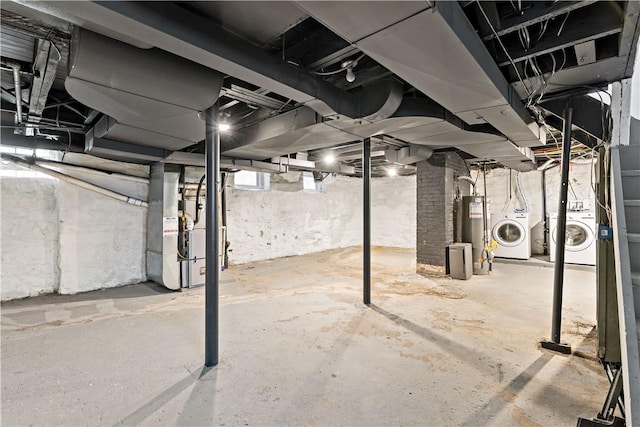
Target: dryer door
508, 233
578, 236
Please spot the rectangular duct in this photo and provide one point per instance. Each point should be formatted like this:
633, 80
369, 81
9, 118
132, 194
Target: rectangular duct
162, 225
408, 155
46, 65
122, 151
438, 52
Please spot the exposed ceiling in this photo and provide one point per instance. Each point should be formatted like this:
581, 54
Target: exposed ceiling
127, 80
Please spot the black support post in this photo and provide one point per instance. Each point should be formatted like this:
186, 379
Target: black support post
212, 149
558, 278
545, 244
366, 220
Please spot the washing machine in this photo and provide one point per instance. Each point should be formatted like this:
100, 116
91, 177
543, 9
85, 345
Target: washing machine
511, 231
580, 243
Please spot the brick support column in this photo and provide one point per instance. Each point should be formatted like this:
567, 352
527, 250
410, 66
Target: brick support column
436, 191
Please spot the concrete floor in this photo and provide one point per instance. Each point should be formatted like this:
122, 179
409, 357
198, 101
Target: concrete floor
298, 347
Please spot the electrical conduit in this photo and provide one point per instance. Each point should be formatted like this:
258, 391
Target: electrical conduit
77, 182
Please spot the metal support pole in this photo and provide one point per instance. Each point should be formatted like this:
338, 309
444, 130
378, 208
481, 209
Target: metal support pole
545, 244
366, 220
212, 149
556, 317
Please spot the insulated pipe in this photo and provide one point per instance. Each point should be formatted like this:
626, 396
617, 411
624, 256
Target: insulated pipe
470, 181
212, 272
366, 220
556, 320
133, 178
77, 182
18, 88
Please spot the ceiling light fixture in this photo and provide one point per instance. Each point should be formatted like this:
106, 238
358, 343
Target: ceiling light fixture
350, 75
224, 127
392, 172
348, 65
329, 158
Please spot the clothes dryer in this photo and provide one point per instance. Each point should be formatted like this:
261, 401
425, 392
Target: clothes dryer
511, 231
580, 242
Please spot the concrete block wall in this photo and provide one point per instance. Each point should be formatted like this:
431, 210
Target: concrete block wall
437, 180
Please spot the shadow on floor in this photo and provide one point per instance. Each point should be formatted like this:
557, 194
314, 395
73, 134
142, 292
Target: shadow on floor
471, 356
508, 393
205, 384
550, 396
136, 290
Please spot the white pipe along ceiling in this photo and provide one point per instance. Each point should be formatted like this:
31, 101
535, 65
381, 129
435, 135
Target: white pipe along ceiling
313, 76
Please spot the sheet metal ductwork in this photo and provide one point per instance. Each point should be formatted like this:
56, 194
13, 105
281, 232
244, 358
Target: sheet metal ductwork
419, 121
151, 97
435, 49
177, 30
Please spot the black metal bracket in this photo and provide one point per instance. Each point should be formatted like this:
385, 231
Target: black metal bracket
606, 416
561, 348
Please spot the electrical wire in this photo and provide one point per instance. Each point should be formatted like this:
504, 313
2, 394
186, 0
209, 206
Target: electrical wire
562, 25
520, 190
543, 29
350, 64
514, 7
553, 72
528, 90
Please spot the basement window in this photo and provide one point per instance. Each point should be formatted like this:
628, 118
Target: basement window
14, 173
310, 185
10, 170
249, 180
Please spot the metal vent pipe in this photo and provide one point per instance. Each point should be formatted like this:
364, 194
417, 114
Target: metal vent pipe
18, 89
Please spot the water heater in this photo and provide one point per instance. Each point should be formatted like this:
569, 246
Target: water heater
473, 231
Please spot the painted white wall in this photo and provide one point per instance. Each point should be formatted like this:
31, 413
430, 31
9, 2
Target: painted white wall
281, 222
286, 221
57, 237
393, 211
85, 241
102, 241
498, 194
635, 86
29, 233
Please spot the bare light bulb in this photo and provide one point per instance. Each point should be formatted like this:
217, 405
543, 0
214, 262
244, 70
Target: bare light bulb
392, 172
350, 75
224, 127
329, 158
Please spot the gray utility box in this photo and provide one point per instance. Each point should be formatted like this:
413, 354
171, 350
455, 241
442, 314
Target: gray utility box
459, 261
